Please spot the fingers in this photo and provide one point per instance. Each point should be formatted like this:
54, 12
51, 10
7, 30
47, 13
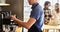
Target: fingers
12, 16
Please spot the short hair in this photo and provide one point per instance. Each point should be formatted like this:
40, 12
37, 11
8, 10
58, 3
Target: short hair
57, 4
46, 3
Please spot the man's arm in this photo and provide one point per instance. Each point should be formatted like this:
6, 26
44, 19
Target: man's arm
27, 25
35, 15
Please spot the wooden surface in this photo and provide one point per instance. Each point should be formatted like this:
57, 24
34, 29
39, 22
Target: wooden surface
18, 29
51, 27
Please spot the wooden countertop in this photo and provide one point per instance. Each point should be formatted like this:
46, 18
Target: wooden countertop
18, 29
51, 27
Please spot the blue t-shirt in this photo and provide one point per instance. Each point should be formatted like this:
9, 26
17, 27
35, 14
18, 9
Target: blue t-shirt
38, 14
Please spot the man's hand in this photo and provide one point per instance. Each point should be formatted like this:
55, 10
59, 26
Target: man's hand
13, 17
53, 18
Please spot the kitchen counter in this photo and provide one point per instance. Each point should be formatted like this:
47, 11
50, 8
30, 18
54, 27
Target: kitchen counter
51, 27
18, 29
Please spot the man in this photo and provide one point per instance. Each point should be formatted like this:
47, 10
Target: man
36, 19
56, 15
47, 12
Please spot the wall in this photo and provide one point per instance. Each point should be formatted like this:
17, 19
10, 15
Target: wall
16, 7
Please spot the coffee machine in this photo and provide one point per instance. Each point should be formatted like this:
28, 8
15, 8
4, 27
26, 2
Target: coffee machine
6, 24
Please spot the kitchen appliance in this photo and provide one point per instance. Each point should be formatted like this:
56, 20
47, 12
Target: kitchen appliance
6, 24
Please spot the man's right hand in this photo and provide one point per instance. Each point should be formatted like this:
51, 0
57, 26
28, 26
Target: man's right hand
13, 17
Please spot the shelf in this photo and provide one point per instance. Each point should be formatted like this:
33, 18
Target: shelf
4, 4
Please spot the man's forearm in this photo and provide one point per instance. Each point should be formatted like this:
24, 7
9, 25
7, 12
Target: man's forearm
23, 24
27, 25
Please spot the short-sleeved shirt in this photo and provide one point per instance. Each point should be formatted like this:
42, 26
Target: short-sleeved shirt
38, 14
